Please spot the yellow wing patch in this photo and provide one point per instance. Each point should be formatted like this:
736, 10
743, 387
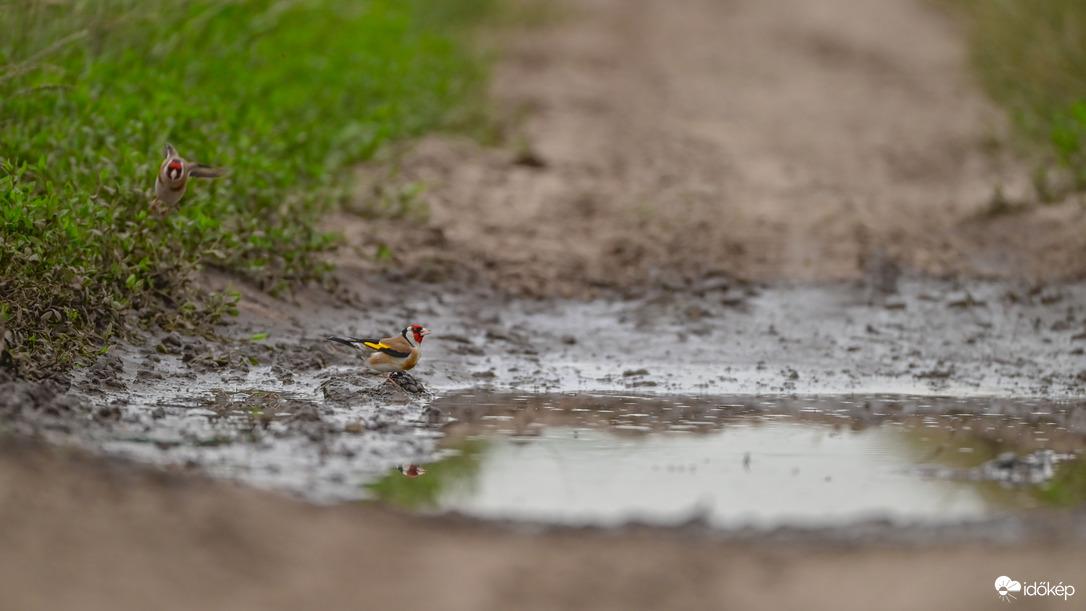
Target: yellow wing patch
378, 345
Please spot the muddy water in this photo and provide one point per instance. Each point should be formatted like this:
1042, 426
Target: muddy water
737, 404
734, 462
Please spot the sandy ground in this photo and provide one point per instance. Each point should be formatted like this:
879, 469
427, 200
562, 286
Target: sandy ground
766, 140
665, 144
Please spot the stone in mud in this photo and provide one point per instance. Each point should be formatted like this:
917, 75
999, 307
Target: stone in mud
105, 374
407, 382
305, 412
147, 374
172, 342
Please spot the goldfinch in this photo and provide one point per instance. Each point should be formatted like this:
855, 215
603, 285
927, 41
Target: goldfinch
391, 354
173, 177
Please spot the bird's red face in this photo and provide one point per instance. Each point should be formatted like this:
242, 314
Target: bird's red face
175, 169
420, 332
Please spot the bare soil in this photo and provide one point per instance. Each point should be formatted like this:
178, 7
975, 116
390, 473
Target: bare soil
762, 140
670, 151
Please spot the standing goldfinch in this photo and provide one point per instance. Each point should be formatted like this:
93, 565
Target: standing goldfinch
391, 354
173, 177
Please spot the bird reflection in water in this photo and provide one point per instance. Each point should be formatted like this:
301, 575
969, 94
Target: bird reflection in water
411, 470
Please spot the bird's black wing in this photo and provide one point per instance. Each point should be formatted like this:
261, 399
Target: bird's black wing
372, 344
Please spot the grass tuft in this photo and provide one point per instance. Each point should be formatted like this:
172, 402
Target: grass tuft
1031, 57
284, 93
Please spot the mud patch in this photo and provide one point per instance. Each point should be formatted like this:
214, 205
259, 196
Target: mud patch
279, 407
35, 408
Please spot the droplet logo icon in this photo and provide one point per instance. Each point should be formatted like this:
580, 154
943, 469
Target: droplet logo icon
1005, 585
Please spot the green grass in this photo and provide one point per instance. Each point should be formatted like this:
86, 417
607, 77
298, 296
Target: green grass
1067, 489
287, 94
1031, 57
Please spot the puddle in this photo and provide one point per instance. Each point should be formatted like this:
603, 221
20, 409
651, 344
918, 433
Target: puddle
826, 461
292, 412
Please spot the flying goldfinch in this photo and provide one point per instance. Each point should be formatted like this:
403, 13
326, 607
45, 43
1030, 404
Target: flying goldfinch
392, 354
173, 177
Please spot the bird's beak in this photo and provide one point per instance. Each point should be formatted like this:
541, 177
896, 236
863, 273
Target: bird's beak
424, 331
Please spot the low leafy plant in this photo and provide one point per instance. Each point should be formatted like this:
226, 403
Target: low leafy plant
285, 93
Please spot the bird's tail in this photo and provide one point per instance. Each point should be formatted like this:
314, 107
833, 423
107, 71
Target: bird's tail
353, 343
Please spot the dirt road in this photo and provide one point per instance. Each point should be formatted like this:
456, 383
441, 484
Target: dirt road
767, 140
664, 142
